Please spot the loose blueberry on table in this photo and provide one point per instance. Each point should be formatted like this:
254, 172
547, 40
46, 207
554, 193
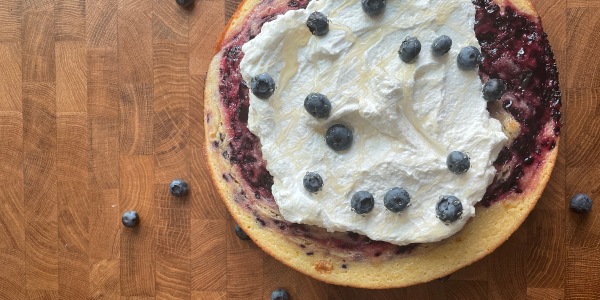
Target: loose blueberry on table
445, 278
581, 203
339, 137
468, 58
178, 188
240, 233
130, 219
280, 294
185, 3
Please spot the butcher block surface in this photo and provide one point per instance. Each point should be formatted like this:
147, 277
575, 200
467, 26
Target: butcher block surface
101, 106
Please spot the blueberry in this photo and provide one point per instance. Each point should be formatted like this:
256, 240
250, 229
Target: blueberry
240, 233
373, 7
280, 294
185, 3
262, 86
449, 209
581, 203
409, 49
396, 199
338, 137
458, 162
312, 182
130, 219
445, 278
317, 105
362, 202
441, 45
318, 24
468, 58
178, 188
493, 89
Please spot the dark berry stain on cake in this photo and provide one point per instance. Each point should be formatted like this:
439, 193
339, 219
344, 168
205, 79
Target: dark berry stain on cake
517, 51
514, 48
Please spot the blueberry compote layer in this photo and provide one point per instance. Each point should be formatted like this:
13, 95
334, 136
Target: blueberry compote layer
514, 48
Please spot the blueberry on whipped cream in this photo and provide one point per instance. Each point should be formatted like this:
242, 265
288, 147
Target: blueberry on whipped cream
317, 105
373, 7
409, 49
493, 89
396, 200
262, 86
449, 209
339, 137
468, 58
441, 45
312, 182
458, 162
362, 202
318, 24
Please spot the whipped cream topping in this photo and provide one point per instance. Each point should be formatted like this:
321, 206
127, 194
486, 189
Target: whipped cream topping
406, 118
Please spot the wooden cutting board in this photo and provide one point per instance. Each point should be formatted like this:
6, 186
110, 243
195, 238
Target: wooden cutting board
101, 106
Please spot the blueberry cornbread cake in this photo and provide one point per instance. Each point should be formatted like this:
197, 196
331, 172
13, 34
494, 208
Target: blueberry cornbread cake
378, 143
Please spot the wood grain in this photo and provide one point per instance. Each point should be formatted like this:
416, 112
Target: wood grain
101, 106
11, 86
173, 245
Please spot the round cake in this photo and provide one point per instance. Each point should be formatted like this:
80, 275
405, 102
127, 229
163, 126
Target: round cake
523, 137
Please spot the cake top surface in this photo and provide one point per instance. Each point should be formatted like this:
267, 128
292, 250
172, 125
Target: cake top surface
403, 116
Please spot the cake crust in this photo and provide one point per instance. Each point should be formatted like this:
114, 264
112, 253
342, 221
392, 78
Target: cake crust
491, 226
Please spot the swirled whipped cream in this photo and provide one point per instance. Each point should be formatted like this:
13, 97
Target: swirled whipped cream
405, 118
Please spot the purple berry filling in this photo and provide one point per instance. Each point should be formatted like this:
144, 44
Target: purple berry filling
514, 49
